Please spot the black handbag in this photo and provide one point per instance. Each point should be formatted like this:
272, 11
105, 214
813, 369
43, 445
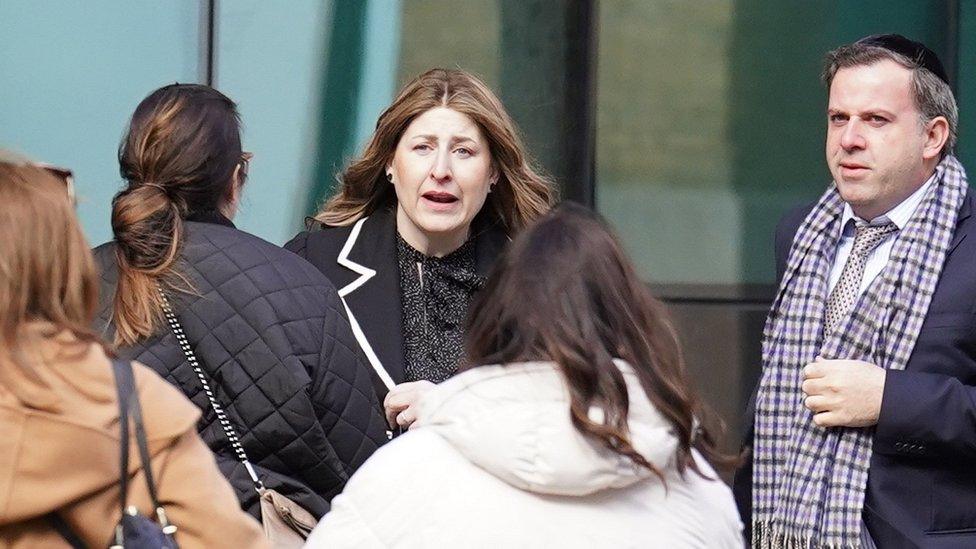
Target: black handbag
134, 530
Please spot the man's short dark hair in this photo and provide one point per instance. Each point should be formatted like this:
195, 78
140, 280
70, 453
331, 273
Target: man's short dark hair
931, 93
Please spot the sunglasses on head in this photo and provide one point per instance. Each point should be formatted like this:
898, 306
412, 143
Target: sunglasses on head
246, 163
63, 174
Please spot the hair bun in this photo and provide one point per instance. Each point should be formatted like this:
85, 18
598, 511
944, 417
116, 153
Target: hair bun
157, 186
152, 191
145, 221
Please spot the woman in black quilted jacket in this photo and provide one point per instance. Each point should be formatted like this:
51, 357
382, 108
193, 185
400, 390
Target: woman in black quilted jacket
265, 328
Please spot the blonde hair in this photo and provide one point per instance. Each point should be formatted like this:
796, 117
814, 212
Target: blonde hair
47, 273
520, 195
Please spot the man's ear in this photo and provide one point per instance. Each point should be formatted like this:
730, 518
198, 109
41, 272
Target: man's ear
936, 136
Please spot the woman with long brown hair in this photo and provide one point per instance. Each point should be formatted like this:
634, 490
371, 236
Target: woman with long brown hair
252, 334
418, 220
575, 425
59, 412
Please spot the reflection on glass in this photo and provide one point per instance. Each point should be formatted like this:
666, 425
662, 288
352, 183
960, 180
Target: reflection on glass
710, 124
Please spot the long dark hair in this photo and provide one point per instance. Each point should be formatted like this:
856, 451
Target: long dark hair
178, 157
566, 292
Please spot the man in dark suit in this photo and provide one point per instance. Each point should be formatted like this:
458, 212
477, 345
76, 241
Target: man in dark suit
865, 416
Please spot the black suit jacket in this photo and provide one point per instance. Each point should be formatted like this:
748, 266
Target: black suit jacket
921, 488
361, 261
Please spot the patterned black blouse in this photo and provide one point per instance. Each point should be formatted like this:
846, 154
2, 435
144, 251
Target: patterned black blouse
435, 293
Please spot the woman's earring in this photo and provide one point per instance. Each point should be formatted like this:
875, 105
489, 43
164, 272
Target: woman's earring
389, 176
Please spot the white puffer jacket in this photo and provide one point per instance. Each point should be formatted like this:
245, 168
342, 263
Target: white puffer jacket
494, 461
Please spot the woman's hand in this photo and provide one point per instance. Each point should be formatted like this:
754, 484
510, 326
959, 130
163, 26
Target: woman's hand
400, 403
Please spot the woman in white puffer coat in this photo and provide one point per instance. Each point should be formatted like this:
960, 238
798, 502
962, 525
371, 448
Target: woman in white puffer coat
583, 433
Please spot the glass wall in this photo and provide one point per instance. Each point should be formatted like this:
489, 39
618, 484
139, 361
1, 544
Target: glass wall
74, 71
269, 60
694, 125
451, 34
710, 124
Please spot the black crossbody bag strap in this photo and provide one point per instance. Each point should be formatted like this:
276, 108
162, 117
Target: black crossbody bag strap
124, 386
65, 531
127, 394
129, 405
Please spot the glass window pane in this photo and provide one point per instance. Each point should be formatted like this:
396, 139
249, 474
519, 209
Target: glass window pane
73, 72
710, 123
450, 34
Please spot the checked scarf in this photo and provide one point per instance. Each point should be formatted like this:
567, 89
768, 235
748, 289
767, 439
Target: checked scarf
809, 481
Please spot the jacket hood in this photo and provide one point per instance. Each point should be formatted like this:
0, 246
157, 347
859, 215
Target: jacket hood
514, 422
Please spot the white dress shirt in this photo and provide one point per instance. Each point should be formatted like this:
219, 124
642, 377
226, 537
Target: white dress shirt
878, 258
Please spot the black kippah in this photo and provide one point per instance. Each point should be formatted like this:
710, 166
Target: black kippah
916, 51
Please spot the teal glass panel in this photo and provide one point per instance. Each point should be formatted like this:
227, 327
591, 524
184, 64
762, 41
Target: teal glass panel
269, 60
710, 123
73, 72
451, 34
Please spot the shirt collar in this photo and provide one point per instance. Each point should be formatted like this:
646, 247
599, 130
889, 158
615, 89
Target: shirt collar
899, 215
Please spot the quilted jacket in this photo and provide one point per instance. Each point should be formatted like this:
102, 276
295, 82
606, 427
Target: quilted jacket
269, 332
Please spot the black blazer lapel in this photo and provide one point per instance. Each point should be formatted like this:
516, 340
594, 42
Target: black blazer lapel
371, 286
375, 303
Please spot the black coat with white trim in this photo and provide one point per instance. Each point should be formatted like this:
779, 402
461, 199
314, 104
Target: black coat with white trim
361, 260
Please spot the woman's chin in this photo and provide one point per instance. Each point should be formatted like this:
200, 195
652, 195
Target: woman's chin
443, 225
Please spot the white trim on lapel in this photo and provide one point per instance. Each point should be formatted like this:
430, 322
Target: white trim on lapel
365, 273
367, 349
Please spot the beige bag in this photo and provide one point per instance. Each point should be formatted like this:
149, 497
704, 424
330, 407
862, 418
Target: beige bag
286, 524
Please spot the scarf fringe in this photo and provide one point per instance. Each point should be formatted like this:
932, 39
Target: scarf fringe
769, 536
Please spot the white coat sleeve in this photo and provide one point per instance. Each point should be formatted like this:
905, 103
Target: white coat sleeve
343, 527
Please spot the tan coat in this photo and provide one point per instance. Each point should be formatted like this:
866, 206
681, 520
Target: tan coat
59, 451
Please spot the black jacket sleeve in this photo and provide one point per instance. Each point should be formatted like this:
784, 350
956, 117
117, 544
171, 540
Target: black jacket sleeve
342, 391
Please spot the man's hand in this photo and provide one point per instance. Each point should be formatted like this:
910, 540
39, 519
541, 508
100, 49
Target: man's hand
843, 393
400, 403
